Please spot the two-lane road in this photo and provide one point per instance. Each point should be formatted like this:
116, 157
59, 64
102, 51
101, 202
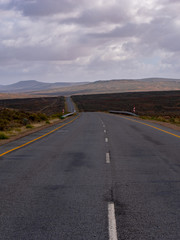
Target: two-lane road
70, 105
100, 177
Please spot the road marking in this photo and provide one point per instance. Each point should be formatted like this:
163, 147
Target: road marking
102, 123
25, 144
104, 131
112, 222
107, 158
152, 127
106, 139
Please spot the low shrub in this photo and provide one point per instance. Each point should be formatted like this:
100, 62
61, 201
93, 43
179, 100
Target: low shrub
57, 115
3, 136
168, 119
25, 121
29, 126
10, 119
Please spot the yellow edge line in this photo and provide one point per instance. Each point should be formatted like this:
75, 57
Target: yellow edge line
25, 144
152, 127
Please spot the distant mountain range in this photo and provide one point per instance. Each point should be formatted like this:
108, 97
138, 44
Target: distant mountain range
32, 87
115, 86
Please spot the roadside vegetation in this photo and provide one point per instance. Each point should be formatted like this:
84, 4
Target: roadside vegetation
160, 106
17, 115
46, 105
10, 119
166, 119
3, 136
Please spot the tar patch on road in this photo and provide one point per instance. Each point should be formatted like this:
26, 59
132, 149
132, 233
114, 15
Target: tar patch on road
77, 160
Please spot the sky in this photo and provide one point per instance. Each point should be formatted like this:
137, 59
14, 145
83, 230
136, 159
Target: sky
82, 40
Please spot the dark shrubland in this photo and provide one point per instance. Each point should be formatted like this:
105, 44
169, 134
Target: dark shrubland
146, 103
161, 106
15, 113
46, 105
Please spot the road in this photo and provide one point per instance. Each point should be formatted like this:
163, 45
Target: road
70, 105
101, 176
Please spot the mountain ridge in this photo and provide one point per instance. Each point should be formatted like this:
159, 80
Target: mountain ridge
115, 86
35, 88
34, 85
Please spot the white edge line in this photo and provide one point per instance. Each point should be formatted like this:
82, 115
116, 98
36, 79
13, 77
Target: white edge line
112, 222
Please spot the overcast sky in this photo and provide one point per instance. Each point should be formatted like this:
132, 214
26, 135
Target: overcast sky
82, 40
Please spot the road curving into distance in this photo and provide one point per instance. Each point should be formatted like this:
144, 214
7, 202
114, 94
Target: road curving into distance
70, 105
102, 176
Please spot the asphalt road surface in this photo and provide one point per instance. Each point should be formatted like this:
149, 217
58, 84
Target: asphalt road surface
100, 177
70, 105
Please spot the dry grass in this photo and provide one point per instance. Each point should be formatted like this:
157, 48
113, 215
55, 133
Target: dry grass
17, 133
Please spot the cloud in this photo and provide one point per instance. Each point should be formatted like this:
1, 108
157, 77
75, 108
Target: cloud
88, 40
113, 13
42, 8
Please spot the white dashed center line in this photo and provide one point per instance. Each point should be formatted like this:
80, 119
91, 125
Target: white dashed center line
107, 158
106, 139
112, 222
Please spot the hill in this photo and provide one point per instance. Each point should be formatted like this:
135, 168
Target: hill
34, 88
33, 85
116, 86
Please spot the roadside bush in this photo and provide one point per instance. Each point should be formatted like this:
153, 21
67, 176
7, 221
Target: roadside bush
29, 126
33, 117
10, 119
25, 121
3, 136
42, 116
3, 124
38, 117
172, 120
57, 115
